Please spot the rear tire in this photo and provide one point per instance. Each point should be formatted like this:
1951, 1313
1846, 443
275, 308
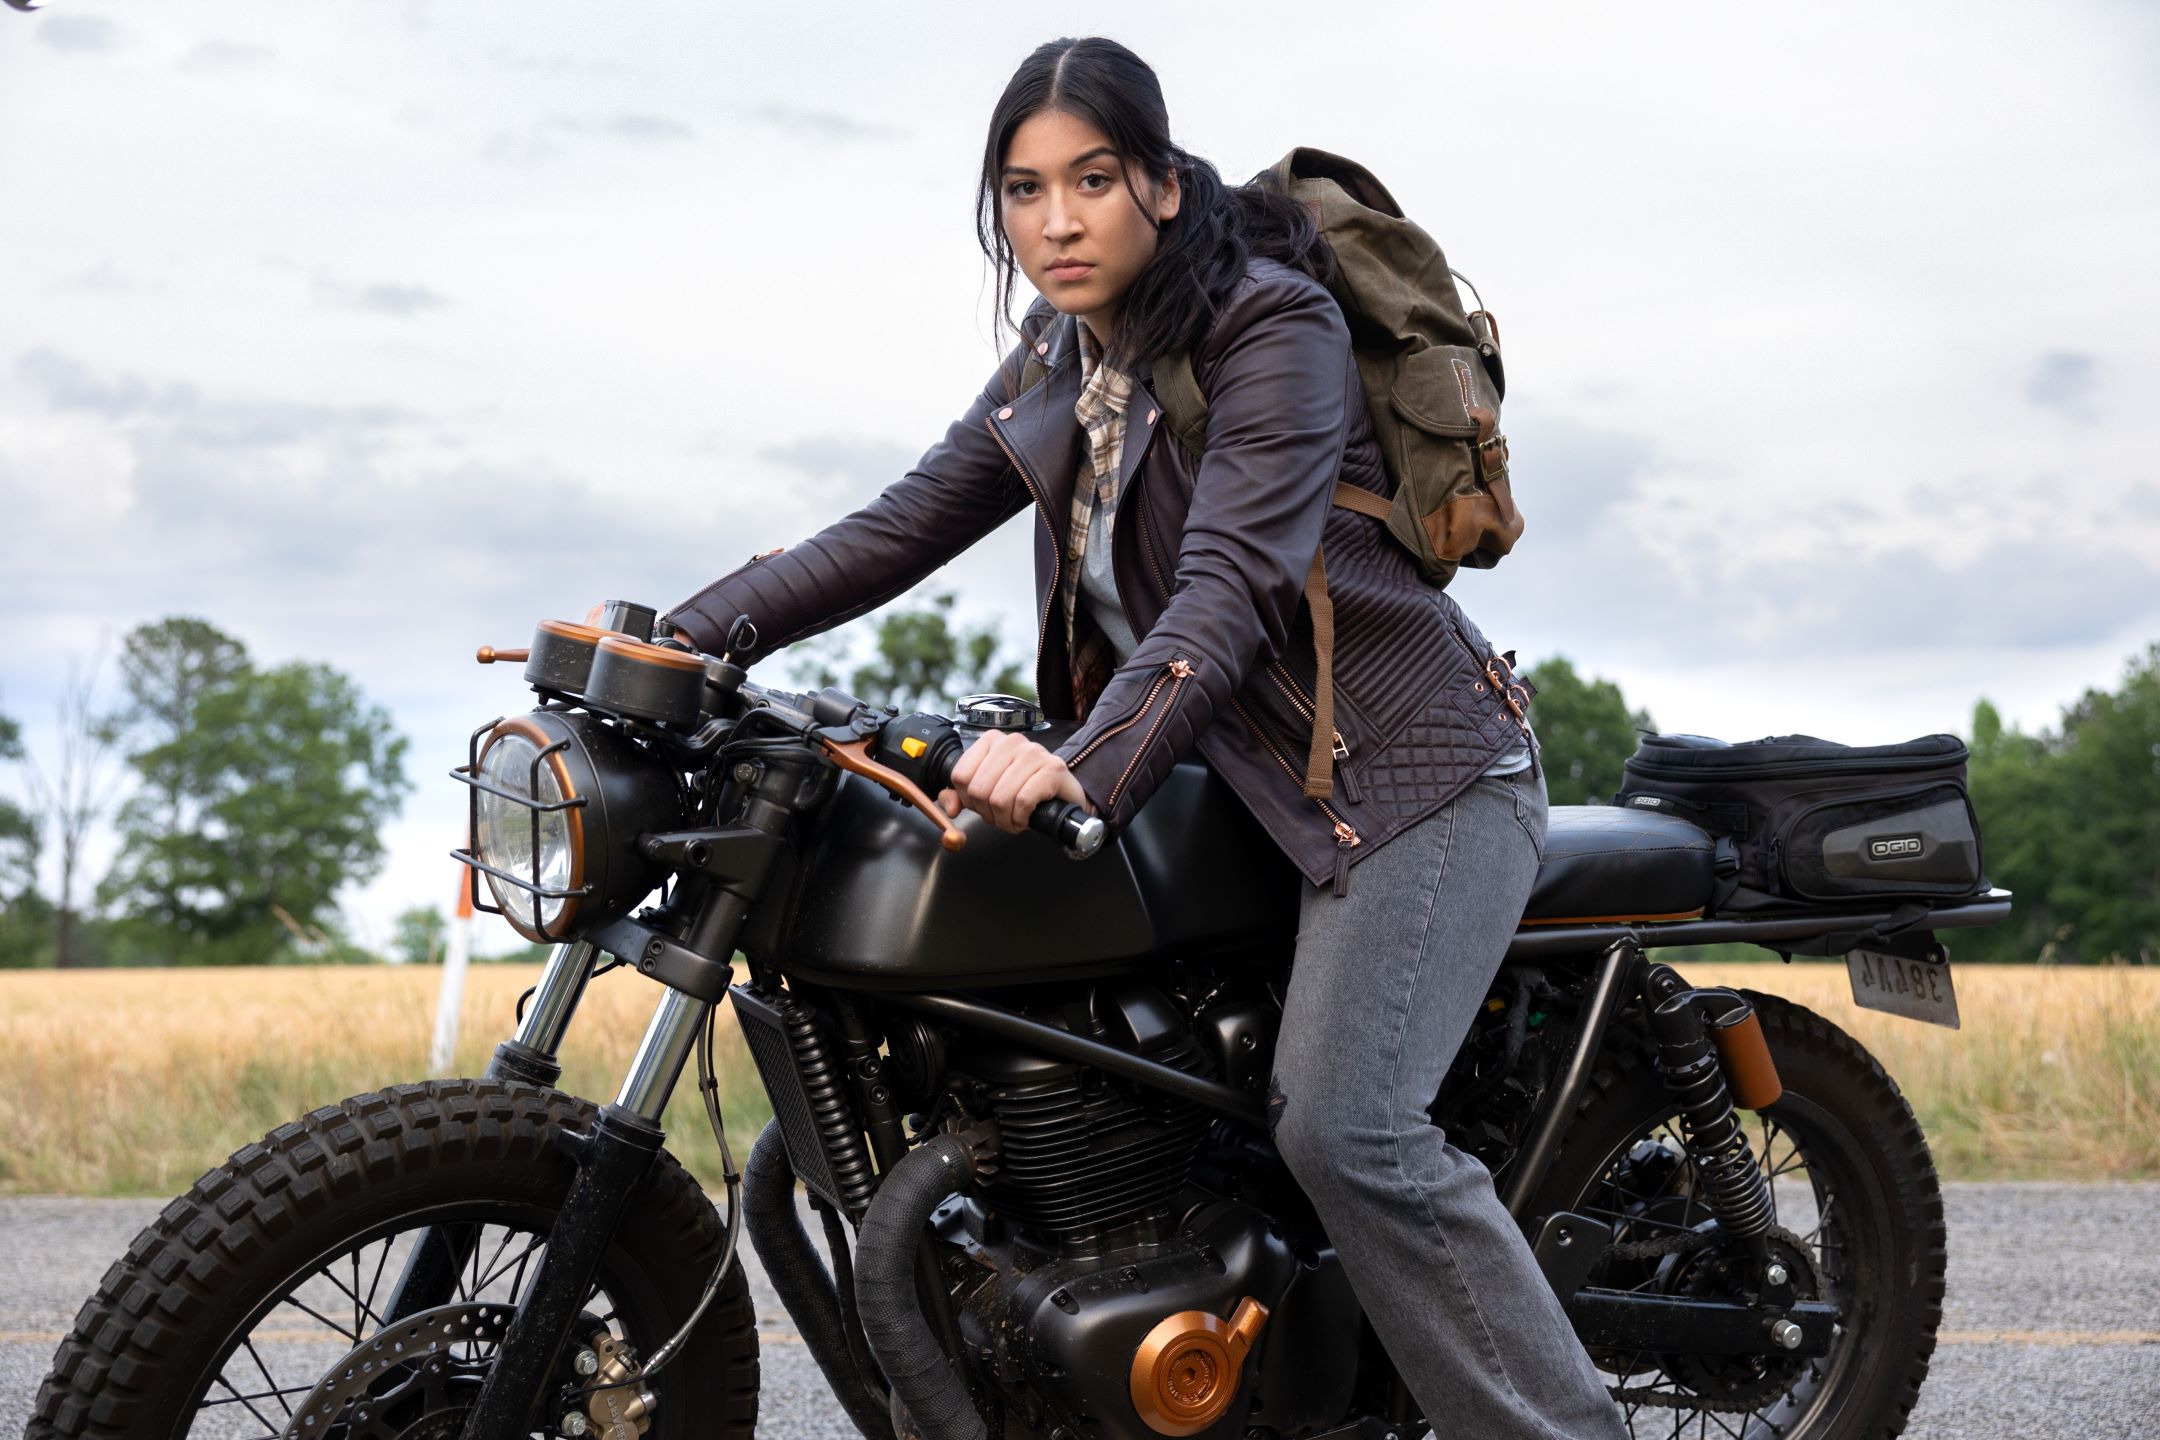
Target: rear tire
1879, 1238
193, 1290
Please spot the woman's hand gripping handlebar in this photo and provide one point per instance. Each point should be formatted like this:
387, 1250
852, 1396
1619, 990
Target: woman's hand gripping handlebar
1003, 771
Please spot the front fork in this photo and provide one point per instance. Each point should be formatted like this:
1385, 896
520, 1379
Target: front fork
613, 1158
430, 1274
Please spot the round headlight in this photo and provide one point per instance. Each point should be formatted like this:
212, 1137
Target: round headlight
562, 800
538, 836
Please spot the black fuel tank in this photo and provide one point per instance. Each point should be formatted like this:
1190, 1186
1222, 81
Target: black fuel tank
876, 902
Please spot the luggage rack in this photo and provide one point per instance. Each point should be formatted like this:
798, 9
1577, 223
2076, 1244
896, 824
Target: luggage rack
469, 774
1539, 941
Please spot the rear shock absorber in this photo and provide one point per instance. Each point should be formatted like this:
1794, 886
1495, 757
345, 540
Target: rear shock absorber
1688, 1058
827, 1092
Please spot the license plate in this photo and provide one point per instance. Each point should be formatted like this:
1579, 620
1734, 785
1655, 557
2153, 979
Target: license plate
1895, 985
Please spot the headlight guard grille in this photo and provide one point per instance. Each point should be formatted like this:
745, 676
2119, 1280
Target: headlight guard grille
470, 775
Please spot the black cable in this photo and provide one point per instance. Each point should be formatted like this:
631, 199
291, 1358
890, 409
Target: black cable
709, 1091
613, 962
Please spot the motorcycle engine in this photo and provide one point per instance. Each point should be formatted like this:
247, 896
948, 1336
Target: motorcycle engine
1221, 1325
1102, 1291
1084, 1158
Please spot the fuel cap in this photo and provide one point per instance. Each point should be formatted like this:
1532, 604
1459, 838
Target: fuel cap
997, 712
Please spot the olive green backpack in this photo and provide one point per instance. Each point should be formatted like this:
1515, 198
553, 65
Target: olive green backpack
1433, 381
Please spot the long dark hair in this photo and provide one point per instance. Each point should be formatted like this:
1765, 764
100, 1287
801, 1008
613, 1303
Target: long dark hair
1201, 251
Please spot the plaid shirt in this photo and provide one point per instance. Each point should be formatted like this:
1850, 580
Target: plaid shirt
1104, 393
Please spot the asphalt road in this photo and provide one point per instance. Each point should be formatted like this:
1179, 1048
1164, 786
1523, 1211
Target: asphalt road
2053, 1324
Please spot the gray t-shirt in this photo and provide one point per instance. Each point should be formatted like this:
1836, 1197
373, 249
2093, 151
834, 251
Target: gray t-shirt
1098, 587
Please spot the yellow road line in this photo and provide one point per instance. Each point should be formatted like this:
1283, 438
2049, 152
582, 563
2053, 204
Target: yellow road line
314, 1337
2049, 1337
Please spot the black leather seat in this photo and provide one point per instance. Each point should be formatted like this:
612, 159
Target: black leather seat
1606, 863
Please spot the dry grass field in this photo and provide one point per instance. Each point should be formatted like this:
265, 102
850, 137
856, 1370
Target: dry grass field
134, 1081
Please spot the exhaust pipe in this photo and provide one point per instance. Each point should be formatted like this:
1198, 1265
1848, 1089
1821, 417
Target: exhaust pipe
907, 1349
806, 1290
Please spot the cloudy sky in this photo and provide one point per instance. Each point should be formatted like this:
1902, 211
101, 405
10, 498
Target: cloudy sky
375, 332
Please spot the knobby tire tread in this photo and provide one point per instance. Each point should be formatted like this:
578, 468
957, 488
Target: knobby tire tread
108, 1375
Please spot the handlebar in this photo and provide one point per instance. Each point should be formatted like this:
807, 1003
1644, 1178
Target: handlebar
910, 755
925, 748
921, 751
1080, 833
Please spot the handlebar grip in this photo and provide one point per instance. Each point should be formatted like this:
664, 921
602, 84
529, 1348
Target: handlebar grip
1072, 827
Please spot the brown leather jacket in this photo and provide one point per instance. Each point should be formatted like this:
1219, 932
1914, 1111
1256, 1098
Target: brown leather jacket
1210, 557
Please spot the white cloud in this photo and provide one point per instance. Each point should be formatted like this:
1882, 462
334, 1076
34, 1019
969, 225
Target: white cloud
81, 34
1819, 420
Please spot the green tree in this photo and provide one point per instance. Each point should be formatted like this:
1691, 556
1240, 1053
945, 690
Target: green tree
2016, 783
26, 921
2070, 819
920, 660
1586, 732
291, 774
18, 828
2110, 871
418, 933
168, 669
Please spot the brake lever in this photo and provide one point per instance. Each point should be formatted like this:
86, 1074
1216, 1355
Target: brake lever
855, 755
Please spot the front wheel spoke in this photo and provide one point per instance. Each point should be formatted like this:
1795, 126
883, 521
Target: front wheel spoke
268, 1378
487, 1271
380, 1261
267, 1423
517, 1281
236, 1398
359, 1307
472, 1264
515, 1262
353, 1294
301, 1305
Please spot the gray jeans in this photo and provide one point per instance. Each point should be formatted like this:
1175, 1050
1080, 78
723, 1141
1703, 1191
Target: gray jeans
1386, 983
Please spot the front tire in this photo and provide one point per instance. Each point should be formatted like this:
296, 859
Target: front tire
221, 1314
1851, 1177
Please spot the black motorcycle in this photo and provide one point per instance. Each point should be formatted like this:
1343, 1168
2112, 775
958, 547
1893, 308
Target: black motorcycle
1025, 1098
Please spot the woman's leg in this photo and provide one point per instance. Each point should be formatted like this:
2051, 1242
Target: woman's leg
1386, 983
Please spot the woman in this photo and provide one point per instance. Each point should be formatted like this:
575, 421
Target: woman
1169, 589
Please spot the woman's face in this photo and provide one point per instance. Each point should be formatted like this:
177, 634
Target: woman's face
1071, 220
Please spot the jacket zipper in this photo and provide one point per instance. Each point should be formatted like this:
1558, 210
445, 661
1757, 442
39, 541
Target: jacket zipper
1176, 673
1057, 548
1287, 683
1133, 719
1346, 836
1147, 543
1790, 769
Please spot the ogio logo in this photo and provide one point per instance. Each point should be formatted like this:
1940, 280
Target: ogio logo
1893, 847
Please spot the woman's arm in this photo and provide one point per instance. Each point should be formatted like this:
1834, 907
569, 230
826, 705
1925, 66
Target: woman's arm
961, 490
1277, 362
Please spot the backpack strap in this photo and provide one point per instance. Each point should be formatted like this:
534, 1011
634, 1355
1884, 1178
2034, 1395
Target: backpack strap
1319, 760
1184, 408
1185, 412
1351, 497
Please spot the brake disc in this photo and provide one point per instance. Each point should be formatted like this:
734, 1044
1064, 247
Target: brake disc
414, 1380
